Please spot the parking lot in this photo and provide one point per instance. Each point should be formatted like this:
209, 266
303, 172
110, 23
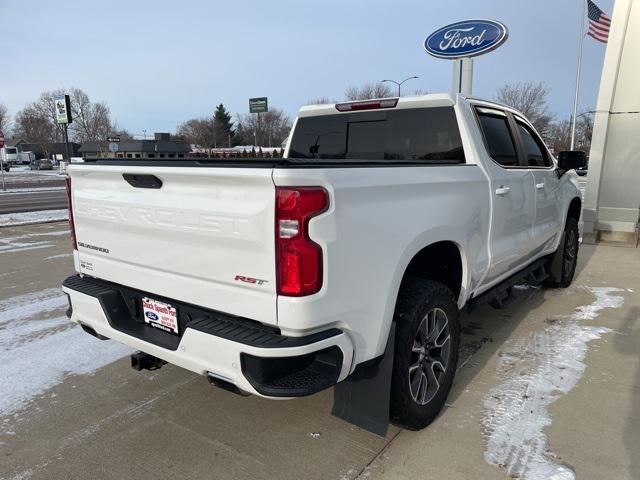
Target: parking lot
562, 363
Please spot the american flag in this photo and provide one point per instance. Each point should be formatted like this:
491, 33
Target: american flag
599, 23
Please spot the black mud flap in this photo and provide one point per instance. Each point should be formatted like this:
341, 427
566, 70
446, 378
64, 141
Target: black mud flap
363, 398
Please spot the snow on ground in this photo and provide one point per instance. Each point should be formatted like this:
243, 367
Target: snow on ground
39, 347
535, 372
23, 174
30, 241
26, 218
31, 190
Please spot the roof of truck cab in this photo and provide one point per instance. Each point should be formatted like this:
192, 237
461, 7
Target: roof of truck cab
413, 101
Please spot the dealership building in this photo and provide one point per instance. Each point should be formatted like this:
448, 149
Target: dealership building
612, 200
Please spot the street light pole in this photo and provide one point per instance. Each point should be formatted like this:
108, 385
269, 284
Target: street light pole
399, 84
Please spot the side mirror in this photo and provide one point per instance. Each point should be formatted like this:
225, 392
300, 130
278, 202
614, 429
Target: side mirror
571, 159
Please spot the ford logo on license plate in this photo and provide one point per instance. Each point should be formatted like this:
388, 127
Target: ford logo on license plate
151, 316
466, 39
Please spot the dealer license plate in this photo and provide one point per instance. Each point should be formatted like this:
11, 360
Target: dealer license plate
160, 315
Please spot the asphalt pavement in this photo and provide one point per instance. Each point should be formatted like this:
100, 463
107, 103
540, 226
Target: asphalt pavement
32, 201
32, 191
551, 384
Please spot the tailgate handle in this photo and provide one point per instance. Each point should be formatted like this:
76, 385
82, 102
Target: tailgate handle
142, 180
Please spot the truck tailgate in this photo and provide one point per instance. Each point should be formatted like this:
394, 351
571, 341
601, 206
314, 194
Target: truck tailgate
205, 237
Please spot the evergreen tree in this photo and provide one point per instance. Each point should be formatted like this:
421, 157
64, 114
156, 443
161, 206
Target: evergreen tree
223, 127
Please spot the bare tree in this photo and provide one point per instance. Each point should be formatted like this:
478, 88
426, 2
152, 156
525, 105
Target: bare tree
320, 101
34, 126
367, 91
270, 131
5, 119
122, 133
559, 137
91, 121
198, 131
530, 99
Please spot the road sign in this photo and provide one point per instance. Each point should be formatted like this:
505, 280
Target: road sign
113, 146
113, 139
1, 139
63, 109
466, 39
258, 105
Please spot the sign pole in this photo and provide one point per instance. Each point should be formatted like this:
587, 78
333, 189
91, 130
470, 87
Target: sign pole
4, 188
259, 128
66, 142
258, 105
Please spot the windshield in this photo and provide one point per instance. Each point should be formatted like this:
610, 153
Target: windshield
429, 135
11, 150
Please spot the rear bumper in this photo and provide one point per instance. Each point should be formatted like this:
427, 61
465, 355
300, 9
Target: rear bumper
254, 358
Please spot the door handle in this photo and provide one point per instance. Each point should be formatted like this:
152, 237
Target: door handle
503, 190
540, 186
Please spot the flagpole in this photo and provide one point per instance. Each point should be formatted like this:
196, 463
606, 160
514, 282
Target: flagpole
578, 69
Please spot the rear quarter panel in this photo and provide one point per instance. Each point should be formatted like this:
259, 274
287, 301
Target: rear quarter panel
378, 219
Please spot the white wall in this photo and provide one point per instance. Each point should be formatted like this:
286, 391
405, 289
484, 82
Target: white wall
612, 200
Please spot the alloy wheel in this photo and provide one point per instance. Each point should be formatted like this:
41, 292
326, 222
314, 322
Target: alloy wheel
430, 355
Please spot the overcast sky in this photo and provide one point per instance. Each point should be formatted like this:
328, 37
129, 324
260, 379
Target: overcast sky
158, 63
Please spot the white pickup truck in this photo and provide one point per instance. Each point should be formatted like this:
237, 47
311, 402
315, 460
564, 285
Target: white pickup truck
282, 277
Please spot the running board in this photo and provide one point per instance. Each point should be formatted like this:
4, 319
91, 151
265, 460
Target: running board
503, 294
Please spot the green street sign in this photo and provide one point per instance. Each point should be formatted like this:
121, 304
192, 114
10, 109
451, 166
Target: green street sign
258, 105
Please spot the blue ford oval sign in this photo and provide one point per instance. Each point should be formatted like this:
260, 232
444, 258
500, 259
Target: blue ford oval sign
466, 39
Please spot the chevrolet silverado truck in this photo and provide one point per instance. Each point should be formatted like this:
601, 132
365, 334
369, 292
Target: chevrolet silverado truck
282, 277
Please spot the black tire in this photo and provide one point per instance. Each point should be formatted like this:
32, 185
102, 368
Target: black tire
570, 246
415, 408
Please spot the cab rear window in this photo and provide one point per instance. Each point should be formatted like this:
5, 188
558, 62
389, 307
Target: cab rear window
421, 135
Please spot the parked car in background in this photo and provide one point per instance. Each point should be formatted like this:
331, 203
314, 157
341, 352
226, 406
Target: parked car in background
41, 164
282, 277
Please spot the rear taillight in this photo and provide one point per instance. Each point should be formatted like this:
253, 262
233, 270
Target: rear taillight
367, 105
72, 227
298, 258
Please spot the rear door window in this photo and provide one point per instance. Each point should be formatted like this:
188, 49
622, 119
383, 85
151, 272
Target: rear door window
498, 138
422, 135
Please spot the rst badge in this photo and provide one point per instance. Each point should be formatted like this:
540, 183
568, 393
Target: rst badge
255, 281
468, 38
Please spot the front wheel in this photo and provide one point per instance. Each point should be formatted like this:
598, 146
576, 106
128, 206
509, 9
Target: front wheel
426, 352
569, 255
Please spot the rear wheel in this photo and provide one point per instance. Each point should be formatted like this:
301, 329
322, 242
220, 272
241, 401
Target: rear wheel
426, 352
